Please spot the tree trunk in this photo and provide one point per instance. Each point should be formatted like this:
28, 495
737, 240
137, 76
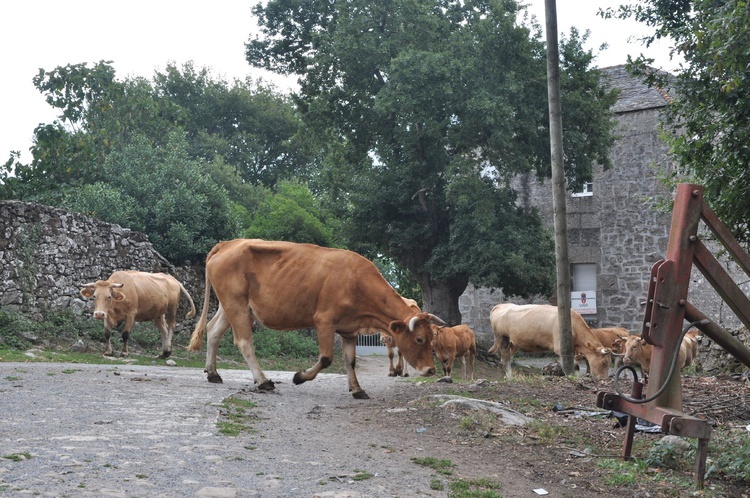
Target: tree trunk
440, 297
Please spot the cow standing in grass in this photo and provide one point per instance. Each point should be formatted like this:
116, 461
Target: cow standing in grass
132, 296
534, 328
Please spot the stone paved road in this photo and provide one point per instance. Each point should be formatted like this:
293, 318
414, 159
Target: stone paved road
134, 431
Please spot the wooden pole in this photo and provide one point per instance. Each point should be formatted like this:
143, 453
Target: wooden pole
558, 190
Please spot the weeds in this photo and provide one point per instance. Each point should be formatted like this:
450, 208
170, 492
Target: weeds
235, 416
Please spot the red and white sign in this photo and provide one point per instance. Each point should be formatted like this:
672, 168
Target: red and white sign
584, 302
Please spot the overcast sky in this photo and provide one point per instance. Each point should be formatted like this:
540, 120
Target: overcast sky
141, 36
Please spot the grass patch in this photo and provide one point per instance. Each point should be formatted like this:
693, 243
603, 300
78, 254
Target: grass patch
475, 488
18, 457
361, 475
236, 417
439, 465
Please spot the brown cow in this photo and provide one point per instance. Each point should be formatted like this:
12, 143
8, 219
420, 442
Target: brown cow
534, 328
287, 286
401, 368
450, 343
134, 296
610, 338
637, 352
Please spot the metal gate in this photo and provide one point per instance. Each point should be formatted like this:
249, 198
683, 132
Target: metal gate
370, 344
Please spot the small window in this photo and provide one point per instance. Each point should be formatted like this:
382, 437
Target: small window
587, 191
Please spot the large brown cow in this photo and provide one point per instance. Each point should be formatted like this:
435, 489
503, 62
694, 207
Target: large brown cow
134, 296
637, 352
534, 328
287, 286
400, 369
450, 343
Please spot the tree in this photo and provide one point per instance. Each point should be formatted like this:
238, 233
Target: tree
706, 120
428, 110
163, 193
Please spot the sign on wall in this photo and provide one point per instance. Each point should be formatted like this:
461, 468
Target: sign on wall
584, 302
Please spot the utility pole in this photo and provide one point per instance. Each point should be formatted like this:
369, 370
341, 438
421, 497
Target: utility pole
567, 359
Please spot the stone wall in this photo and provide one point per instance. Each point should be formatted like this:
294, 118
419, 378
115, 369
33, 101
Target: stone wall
623, 228
46, 254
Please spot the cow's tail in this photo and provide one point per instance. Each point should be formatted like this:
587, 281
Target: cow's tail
196, 340
191, 313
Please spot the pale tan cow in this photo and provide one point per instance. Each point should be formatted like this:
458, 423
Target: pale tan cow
450, 343
637, 352
534, 328
400, 369
288, 286
133, 296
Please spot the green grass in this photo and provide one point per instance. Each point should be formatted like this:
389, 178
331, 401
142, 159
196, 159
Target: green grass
17, 457
236, 416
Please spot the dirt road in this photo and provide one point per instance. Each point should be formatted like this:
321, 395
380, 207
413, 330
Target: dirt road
128, 431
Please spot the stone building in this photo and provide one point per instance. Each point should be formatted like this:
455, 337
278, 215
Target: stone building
618, 226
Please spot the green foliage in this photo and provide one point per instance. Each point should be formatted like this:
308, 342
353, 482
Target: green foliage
426, 109
291, 214
706, 120
292, 344
163, 193
732, 456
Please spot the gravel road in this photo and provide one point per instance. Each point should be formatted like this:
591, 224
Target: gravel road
151, 431
134, 431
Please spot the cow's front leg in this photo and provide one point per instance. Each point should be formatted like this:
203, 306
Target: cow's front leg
325, 358
108, 341
126, 335
166, 337
349, 347
402, 368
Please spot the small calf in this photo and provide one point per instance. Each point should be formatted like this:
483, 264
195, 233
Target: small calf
450, 343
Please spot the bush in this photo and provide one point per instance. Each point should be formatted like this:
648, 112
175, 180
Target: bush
291, 344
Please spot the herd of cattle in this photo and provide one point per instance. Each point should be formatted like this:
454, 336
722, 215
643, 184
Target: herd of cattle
290, 286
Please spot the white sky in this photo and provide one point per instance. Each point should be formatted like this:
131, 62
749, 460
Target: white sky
143, 36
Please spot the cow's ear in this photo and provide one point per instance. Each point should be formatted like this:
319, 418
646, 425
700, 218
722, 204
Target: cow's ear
119, 296
398, 327
87, 291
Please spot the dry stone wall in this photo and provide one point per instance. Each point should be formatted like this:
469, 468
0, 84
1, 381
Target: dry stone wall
46, 254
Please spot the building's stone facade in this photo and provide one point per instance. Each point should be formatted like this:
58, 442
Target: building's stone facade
623, 228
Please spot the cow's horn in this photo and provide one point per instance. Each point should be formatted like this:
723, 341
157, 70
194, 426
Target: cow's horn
436, 319
90, 284
117, 285
412, 322
618, 354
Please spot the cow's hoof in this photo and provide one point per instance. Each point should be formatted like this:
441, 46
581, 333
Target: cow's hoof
215, 378
406, 374
268, 385
360, 395
297, 379
445, 379
392, 374
108, 353
165, 354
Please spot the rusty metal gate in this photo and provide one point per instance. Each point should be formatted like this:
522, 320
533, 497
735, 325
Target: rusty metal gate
667, 308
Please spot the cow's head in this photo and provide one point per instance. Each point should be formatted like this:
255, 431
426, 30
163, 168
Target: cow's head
414, 340
104, 293
634, 351
598, 357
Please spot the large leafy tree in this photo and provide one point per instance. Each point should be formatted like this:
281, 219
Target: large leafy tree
706, 122
124, 151
428, 110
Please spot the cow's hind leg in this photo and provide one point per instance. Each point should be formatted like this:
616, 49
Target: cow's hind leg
507, 349
349, 346
215, 330
126, 334
242, 327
